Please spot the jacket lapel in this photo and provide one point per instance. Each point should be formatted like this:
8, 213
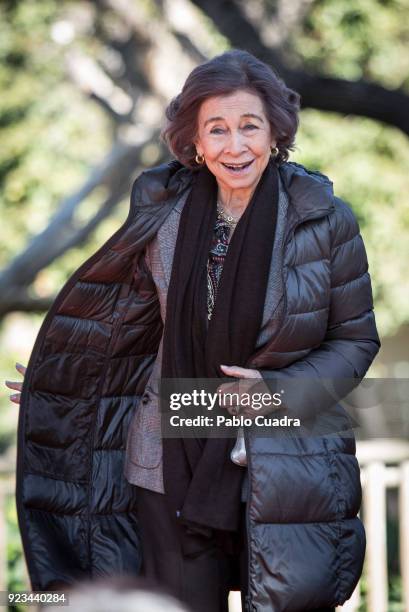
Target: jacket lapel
167, 236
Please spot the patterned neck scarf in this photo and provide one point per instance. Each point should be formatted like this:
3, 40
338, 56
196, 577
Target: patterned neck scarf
218, 251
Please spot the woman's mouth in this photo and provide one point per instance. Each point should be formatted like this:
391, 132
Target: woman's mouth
237, 168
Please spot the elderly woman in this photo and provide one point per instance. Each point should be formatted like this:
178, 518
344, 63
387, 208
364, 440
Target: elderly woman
232, 262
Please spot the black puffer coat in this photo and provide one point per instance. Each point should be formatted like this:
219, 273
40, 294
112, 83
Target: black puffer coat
89, 368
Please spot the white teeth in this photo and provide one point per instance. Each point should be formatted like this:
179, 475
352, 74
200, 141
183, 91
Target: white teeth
237, 166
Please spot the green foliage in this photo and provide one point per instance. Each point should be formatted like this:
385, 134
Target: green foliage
50, 132
16, 565
395, 603
353, 40
367, 163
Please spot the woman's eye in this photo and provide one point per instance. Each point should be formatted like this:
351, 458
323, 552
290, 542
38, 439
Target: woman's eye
248, 126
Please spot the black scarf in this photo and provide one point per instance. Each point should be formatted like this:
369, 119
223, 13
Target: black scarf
201, 482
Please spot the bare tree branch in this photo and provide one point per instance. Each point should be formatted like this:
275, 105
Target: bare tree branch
22, 302
275, 21
361, 97
94, 83
62, 232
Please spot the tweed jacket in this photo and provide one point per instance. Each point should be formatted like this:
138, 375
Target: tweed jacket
143, 461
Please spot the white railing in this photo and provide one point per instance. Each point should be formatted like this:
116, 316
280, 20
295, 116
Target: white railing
384, 465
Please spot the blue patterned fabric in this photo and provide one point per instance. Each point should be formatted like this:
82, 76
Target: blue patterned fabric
218, 250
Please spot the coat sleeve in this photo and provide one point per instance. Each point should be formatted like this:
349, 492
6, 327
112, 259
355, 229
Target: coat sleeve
351, 342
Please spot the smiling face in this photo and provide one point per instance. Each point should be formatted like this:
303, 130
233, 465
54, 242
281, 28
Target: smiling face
234, 136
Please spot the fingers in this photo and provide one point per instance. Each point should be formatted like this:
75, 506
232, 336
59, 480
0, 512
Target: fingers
236, 371
11, 384
226, 391
240, 372
233, 409
16, 385
232, 387
20, 368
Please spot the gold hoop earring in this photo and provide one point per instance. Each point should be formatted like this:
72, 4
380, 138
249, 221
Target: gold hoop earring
199, 159
274, 151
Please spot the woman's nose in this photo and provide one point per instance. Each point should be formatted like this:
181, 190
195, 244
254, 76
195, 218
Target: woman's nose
235, 145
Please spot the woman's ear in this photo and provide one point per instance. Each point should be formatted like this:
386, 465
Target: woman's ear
196, 144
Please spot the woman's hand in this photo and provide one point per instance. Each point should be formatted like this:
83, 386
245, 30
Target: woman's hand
17, 386
239, 372
244, 387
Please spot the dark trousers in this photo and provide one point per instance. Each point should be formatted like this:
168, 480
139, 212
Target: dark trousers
202, 581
